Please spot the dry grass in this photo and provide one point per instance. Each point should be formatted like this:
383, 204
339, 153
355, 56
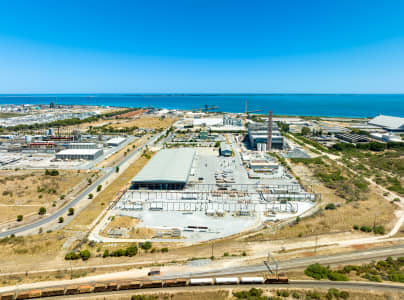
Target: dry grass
34, 189
117, 156
90, 213
120, 222
226, 293
341, 219
146, 122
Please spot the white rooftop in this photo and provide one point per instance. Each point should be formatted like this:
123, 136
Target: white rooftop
79, 151
116, 140
389, 122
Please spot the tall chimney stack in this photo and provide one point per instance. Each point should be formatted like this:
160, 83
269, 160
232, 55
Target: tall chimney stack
269, 141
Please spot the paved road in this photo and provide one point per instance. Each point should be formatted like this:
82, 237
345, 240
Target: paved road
80, 197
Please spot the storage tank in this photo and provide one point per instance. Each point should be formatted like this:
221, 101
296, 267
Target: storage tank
201, 281
227, 280
28, 139
248, 280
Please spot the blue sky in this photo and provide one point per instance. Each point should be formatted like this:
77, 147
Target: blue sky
201, 46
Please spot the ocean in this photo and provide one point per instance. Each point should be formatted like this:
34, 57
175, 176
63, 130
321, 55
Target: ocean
333, 105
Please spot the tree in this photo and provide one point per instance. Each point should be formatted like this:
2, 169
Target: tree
298, 219
71, 211
85, 254
106, 253
19, 218
90, 196
61, 219
117, 169
42, 210
330, 206
146, 245
131, 251
62, 197
99, 188
305, 130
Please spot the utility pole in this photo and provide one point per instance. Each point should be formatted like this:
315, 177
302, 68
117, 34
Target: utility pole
213, 244
315, 246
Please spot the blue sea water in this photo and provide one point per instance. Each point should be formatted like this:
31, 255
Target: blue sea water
336, 105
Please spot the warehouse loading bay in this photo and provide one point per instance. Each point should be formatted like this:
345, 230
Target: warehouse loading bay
219, 199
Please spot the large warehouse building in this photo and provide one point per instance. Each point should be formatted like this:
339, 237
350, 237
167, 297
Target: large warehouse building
87, 154
388, 123
169, 169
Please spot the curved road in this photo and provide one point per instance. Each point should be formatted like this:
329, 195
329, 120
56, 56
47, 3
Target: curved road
81, 196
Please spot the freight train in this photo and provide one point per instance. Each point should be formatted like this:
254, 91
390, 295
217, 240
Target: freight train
139, 284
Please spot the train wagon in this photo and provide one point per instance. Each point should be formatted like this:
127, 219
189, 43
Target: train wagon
227, 280
113, 286
135, 285
175, 282
8, 296
152, 284
252, 280
100, 287
72, 290
53, 292
201, 281
85, 289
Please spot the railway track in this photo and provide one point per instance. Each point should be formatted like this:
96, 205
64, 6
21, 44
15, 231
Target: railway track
295, 284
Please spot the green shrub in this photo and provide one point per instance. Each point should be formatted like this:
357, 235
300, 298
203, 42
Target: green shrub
146, 245
71, 211
19, 218
42, 210
378, 229
366, 229
330, 206
61, 220
164, 250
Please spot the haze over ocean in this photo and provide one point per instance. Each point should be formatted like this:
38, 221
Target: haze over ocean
335, 105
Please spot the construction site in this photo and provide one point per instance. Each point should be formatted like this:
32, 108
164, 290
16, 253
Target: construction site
203, 193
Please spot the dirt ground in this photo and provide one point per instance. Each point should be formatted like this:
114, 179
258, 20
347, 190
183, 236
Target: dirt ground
120, 222
374, 209
226, 293
90, 213
146, 122
27, 190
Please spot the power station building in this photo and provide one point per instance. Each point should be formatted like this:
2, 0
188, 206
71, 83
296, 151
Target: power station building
258, 136
169, 169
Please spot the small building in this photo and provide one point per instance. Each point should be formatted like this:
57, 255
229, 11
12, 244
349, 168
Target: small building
115, 142
87, 154
225, 149
262, 165
42, 145
352, 138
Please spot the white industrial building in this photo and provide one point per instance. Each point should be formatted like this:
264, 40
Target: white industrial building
388, 123
73, 154
114, 142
